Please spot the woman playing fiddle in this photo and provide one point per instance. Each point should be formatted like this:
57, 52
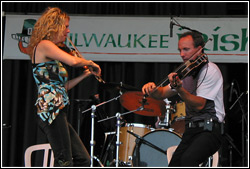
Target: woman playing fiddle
51, 78
202, 92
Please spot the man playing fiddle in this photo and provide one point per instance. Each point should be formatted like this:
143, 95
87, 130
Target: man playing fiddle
202, 92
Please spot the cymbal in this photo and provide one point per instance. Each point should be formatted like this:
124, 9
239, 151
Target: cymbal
118, 86
133, 100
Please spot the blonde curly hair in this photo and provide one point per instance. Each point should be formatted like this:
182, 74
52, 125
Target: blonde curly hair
48, 26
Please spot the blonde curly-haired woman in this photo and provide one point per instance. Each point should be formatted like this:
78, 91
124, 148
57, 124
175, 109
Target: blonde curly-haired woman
51, 77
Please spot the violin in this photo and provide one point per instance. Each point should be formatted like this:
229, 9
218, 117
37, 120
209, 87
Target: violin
74, 52
188, 68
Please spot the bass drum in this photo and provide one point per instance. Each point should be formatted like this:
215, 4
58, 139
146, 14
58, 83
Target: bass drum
164, 139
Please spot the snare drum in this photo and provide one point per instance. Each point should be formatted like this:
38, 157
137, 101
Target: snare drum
128, 140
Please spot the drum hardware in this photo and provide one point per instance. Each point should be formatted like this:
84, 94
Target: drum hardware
121, 87
108, 148
92, 141
243, 123
102, 103
169, 110
118, 115
139, 109
140, 140
100, 163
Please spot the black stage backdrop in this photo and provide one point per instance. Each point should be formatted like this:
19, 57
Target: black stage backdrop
19, 128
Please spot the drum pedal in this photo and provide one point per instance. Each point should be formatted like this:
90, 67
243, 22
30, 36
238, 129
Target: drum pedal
163, 124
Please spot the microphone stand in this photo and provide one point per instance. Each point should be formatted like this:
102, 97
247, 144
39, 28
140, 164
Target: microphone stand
232, 145
243, 119
183, 27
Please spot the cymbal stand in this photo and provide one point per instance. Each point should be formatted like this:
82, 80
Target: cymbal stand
118, 115
92, 142
139, 109
166, 122
102, 103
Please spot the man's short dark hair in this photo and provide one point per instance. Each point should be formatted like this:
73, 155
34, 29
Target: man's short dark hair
197, 37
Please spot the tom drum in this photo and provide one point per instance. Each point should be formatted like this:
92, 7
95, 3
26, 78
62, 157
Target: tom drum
178, 118
128, 141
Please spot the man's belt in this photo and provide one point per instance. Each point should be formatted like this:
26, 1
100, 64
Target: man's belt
206, 124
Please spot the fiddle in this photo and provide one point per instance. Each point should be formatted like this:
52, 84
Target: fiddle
74, 52
188, 68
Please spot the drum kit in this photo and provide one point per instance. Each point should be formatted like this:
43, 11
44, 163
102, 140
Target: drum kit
139, 144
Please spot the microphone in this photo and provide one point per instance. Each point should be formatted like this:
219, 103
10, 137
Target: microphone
171, 27
231, 91
137, 136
